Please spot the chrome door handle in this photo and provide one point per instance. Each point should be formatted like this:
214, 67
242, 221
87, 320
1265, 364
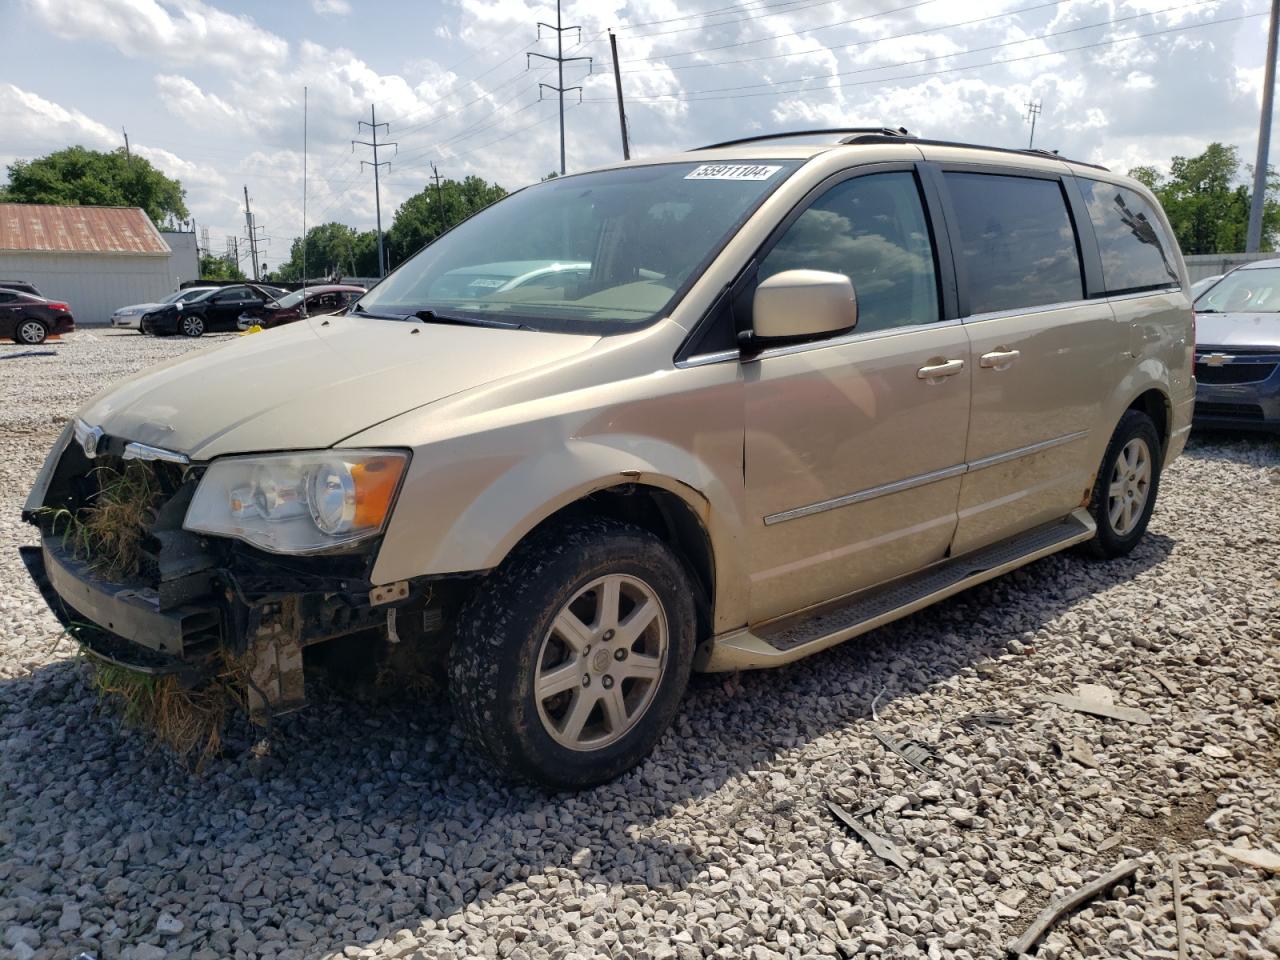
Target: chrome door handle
936, 371
998, 359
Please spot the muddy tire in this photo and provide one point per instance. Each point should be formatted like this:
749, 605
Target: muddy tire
1124, 493
572, 657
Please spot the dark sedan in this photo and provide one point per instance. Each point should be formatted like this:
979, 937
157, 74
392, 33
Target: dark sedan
321, 300
216, 309
30, 319
1238, 350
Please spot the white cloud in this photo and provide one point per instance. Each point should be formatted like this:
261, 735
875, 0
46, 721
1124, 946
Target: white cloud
331, 8
33, 125
170, 31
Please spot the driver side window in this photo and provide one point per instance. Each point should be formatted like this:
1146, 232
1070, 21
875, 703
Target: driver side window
873, 230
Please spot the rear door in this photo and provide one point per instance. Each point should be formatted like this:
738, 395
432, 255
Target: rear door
855, 443
10, 311
1045, 358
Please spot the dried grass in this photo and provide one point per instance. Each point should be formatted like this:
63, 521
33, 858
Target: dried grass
189, 722
110, 530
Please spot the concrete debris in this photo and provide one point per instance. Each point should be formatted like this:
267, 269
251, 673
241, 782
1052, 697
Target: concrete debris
1100, 709
1261, 859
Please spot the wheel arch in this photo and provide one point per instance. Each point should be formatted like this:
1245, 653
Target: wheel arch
1155, 403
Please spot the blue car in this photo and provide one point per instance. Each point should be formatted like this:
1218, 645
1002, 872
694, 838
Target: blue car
1238, 350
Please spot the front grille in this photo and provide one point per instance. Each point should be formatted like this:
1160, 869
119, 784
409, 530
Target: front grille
1234, 372
1233, 411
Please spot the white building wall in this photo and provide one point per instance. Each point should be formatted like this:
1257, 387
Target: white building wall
93, 285
186, 259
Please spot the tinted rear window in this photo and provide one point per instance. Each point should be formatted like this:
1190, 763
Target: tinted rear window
1016, 241
1136, 252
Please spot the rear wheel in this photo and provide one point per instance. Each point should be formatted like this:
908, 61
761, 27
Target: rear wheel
192, 326
572, 657
1124, 493
31, 332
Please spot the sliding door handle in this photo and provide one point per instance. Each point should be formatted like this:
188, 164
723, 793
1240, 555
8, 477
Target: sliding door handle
998, 359
936, 371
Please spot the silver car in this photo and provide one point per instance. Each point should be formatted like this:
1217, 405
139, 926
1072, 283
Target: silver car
130, 317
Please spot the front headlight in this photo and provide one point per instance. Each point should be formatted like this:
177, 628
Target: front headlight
298, 502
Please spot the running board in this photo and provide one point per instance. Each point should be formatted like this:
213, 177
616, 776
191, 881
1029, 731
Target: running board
799, 635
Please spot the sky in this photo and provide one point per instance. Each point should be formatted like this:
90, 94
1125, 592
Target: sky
212, 92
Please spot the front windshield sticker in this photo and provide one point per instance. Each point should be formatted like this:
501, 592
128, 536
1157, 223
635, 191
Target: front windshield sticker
732, 171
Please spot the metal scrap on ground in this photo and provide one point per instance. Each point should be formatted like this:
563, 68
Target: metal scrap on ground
1060, 908
1175, 867
986, 720
1099, 709
913, 751
881, 847
1262, 859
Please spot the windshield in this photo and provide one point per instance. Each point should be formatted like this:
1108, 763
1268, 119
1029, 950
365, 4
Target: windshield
1244, 291
177, 295
592, 253
195, 296
290, 299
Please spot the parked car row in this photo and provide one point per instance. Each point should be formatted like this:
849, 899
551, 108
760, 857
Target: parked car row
29, 318
1238, 349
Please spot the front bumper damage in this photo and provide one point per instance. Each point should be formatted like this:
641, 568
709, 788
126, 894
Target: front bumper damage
199, 602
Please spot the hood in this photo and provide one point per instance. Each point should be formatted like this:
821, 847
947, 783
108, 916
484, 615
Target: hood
312, 383
1237, 330
139, 307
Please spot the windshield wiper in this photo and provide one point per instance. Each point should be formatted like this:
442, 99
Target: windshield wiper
431, 316
359, 308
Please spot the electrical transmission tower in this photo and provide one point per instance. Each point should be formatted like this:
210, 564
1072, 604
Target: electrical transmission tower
373, 125
252, 230
559, 60
1033, 111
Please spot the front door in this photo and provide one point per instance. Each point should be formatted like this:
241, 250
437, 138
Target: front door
1044, 358
855, 444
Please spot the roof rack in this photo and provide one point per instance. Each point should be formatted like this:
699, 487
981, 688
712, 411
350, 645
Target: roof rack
852, 133
876, 137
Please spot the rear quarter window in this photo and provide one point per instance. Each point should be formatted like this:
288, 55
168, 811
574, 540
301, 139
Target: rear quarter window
1136, 252
1015, 241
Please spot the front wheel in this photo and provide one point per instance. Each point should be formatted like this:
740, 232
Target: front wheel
572, 657
31, 332
1124, 493
192, 326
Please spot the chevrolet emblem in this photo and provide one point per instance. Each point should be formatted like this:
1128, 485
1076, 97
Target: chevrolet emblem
1216, 359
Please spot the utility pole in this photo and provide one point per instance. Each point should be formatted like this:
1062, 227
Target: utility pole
127, 154
1033, 111
253, 233
373, 126
559, 60
617, 82
435, 175
1254, 241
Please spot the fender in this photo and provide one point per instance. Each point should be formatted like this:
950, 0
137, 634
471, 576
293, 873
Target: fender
502, 509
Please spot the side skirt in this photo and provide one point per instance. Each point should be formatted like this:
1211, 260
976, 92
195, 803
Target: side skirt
797, 636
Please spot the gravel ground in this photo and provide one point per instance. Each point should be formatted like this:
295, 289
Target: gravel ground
371, 832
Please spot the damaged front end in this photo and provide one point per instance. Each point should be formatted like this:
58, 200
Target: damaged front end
163, 600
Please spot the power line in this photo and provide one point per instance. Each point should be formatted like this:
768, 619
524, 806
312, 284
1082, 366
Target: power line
870, 41
1033, 110
695, 96
796, 6
560, 60
373, 126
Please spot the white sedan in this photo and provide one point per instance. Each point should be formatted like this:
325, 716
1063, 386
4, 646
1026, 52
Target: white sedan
130, 317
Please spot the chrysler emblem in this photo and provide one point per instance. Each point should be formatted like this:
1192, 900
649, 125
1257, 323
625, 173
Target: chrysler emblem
88, 437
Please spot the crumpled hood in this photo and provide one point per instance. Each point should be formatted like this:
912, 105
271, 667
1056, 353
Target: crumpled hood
1237, 330
312, 383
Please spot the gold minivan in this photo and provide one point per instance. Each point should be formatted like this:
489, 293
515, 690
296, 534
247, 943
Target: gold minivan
712, 411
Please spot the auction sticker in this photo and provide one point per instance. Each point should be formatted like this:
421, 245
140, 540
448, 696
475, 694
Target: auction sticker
732, 171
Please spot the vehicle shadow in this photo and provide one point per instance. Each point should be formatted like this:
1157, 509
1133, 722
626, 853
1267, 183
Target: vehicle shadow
369, 818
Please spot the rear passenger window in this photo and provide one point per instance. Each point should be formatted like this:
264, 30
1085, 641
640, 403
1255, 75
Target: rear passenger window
1015, 241
873, 230
1136, 252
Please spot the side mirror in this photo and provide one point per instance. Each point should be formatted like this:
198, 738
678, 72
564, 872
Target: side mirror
803, 303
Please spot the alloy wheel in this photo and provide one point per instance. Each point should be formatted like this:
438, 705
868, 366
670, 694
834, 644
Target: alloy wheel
192, 326
31, 331
1130, 486
601, 662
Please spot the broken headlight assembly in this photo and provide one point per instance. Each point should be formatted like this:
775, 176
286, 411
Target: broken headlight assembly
298, 503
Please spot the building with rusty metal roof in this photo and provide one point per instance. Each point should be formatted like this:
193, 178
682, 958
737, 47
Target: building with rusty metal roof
97, 259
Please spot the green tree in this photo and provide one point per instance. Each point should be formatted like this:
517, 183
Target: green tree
219, 268
1207, 203
427, 214
79, 176
333, 250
